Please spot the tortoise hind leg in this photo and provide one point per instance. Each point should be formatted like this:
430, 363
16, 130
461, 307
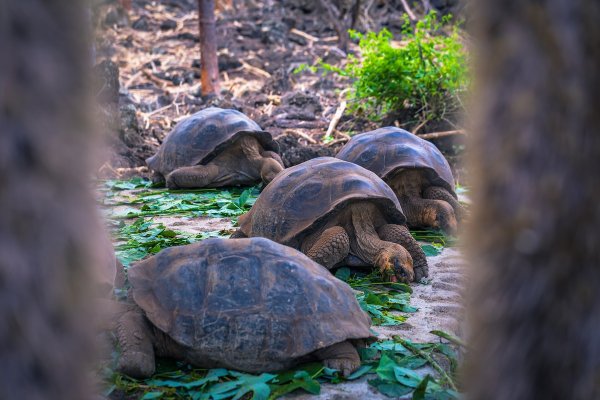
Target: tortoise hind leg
135, 342
329, 248
341, 356
400, 234
197, 176
439, 193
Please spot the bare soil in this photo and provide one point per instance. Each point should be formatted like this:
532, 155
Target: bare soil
149, 71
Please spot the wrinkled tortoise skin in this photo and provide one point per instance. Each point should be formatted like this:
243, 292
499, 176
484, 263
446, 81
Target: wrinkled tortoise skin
199, 138
300, 198
387, 150
246, 303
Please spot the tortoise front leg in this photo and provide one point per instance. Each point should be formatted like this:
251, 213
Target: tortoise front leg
341, 356
197, 176
422, 213
330, 247
264, 161
135, 342
400, 234
440, 193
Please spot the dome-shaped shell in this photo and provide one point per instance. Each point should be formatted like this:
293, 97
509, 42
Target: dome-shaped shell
388, 149
250, 303
302, 197
202, 136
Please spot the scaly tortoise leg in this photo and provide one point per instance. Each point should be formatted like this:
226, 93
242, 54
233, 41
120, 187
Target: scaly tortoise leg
400, 234
341, 356
197, 176
135, 342
440, 193
263, 161
331, 247
423, 213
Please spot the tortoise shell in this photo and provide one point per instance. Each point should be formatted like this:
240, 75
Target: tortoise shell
301, 198
250, 303
202, 136
387, 150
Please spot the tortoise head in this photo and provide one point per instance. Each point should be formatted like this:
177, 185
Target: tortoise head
395, 264
445, 218
269, 169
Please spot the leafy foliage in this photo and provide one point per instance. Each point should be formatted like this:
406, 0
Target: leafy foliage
397, 371
420, 77
379, 298
396, 367
143, 237
199, 202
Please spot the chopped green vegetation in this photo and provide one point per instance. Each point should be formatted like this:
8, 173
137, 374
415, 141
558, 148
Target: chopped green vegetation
398, 367
379, 298
435, 238
143, 238
136, 182
200, 202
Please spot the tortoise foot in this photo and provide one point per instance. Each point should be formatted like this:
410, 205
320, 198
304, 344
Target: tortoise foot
340, 356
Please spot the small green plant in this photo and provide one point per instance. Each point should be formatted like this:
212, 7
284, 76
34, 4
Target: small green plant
419, 79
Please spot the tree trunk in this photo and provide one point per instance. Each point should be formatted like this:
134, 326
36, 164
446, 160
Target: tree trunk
208, 48
48, 224
536, 256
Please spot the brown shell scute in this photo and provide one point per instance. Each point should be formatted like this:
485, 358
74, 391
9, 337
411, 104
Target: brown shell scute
302, 196
202, 136
388, 149
246, 300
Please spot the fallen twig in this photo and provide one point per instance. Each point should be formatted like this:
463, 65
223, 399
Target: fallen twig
437, 135
336, 118
255, 70
410, 13
305, 35
302, 135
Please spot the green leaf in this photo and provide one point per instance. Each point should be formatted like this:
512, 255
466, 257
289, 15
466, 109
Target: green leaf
407, 377
385, 369
300, 380
168, 233
213, 375
363, 370
412, 362
390, 389
245, 384
343, 274
430, 250
419, 393
367, 353
151, 395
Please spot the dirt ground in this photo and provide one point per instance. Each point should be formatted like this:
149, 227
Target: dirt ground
149, 67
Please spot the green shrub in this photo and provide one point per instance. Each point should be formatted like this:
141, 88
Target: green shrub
420, 79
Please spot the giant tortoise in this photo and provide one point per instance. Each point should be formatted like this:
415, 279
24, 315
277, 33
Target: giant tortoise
337, 213
246, 304
416, 170
214, 148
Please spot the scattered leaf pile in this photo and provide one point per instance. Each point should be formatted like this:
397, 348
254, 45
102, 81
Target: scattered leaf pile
394, 368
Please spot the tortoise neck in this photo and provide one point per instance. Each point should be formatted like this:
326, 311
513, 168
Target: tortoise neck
365, 243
